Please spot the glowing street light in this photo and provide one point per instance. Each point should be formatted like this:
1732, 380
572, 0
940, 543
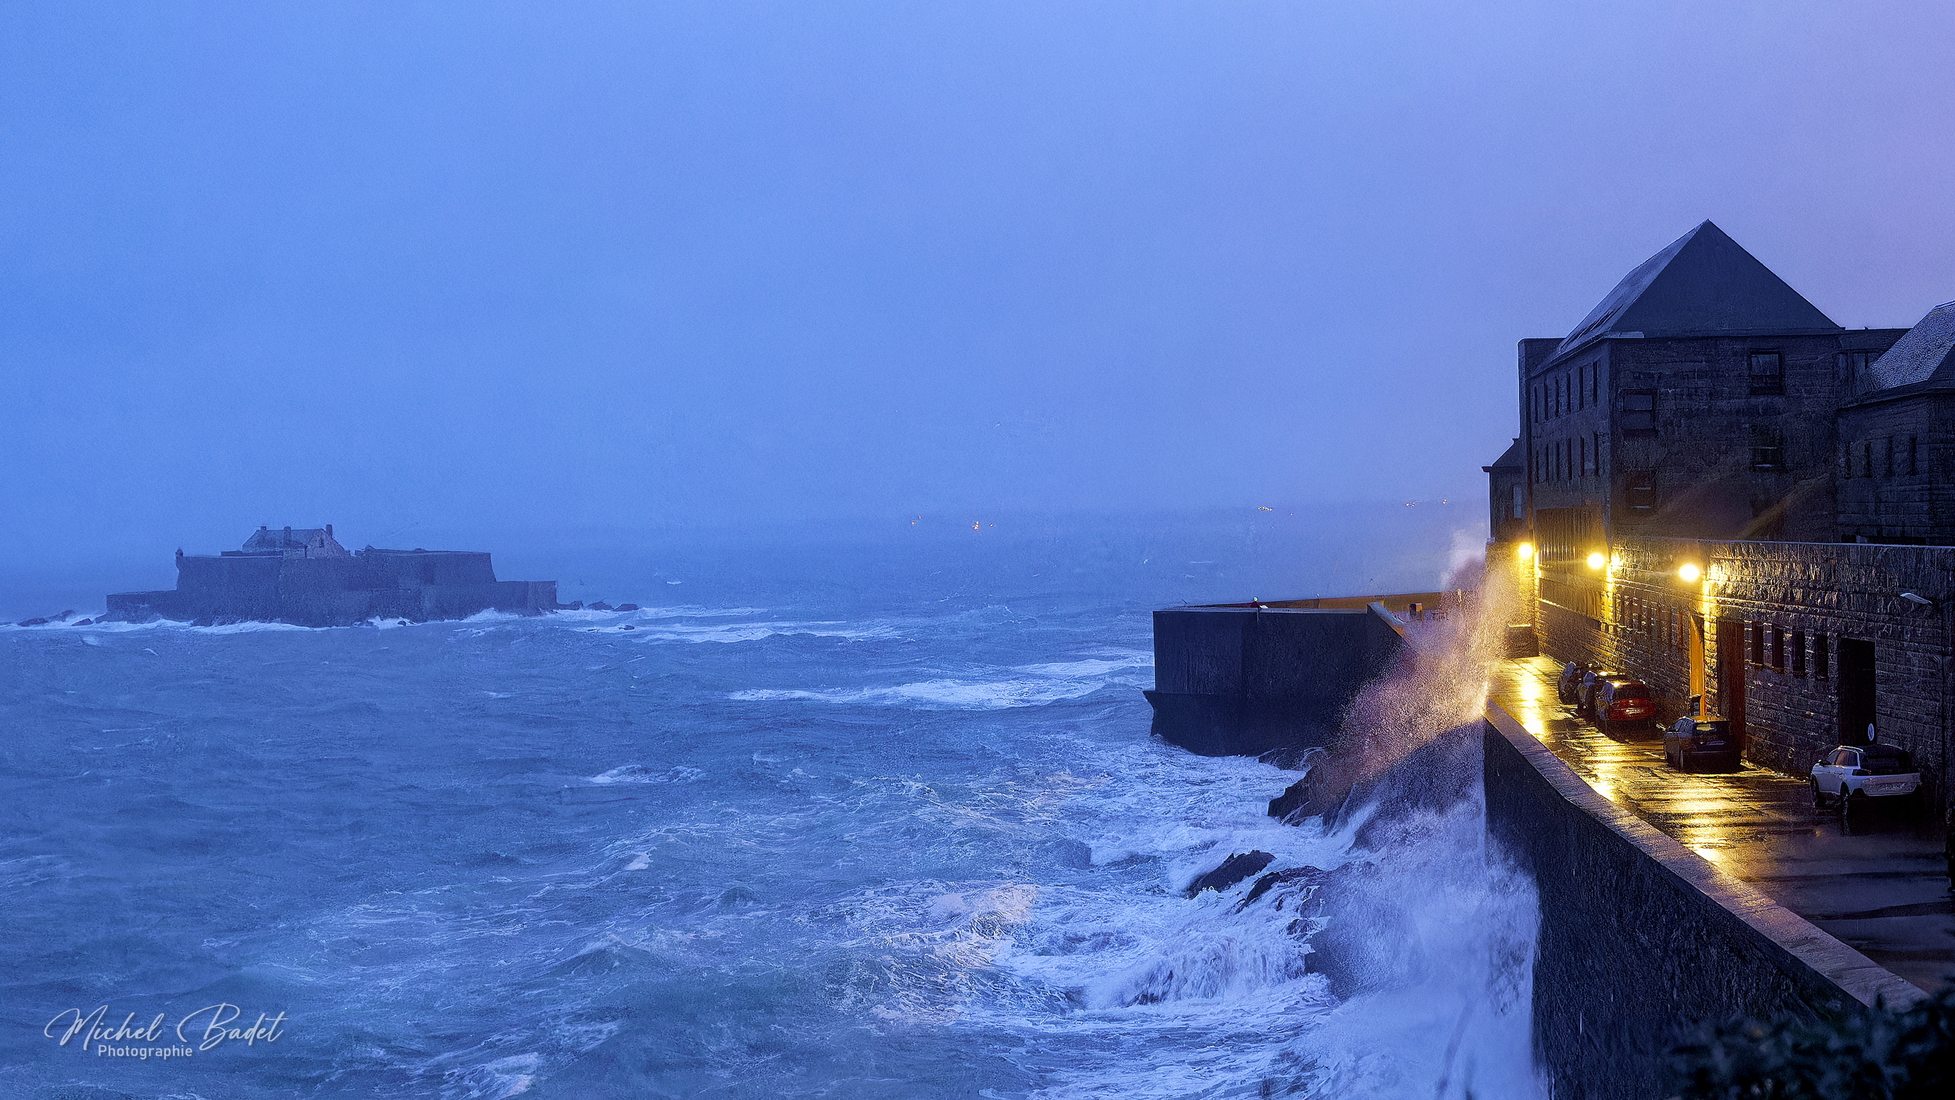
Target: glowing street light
1524, 551
1597, 559
1690, 573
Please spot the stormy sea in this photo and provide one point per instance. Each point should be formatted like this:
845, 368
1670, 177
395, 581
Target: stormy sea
879, 821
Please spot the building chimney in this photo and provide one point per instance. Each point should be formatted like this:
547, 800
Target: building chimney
329, 530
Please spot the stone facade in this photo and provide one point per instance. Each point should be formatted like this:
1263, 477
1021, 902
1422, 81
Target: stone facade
1802, 644
1704, 414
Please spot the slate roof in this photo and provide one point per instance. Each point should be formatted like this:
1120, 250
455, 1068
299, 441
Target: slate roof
1704, 283
1510, 459
1925, 353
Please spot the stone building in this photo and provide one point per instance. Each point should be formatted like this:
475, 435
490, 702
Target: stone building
1748, 506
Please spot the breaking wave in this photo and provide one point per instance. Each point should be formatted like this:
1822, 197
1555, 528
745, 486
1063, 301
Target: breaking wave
1023, 686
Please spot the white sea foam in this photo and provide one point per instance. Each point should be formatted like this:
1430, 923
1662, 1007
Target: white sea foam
1023, 686
639, 773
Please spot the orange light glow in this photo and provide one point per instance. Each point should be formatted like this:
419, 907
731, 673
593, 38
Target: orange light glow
1524, 551
1597, 559
1690, 572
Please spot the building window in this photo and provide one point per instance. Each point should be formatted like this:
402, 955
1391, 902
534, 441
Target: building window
1913, 456
1846, 460
1854, 375
1596, 449
1778, 649
1866, 459
1767, 372
1767, 448
1638, 412
1583, 468
1639, 490
1594, 383
1887, 470
1798, 653
1821, 656
1758, 643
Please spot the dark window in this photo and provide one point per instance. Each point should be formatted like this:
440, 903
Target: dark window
1598, 453
1767, 372
1767, 448
1778, 649
1887, 469
1846, 460
1584, 457
1639, 412
1639, 490
1758, 643
1866, 460
1913, 456
1853, 370
1798, 653
1594, 383
1821, 656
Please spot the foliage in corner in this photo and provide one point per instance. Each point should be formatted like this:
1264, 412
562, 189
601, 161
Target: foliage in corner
1880, 1054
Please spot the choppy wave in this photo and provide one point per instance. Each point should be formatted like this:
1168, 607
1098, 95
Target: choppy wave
1023, 686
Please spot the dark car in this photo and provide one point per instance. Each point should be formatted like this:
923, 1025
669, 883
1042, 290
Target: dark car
1592, 682
1624, 708
1570, 682
1701, 739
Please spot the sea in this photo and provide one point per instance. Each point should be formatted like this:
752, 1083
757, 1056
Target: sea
863, 819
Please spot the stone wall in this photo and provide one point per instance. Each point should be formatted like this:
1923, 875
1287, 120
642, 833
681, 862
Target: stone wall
1641, 941
1248, 680
1792, 610
1896, 468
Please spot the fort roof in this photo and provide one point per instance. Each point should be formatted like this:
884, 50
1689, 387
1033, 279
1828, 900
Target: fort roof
1925, 354
1704, 283
1510, 459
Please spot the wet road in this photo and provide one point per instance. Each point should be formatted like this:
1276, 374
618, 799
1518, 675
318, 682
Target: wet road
1878, 885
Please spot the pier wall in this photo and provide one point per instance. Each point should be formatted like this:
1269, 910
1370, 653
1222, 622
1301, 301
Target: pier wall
1642, 941
1248, 680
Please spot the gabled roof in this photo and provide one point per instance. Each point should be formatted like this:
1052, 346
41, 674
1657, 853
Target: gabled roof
1925, 353
1704, 283
1510, 459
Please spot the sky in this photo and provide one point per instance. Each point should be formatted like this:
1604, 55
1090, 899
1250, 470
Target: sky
451, 271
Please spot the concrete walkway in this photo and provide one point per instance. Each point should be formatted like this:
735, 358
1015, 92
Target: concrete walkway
1878, 886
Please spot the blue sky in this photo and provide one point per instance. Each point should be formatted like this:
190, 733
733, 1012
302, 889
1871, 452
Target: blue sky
435, 270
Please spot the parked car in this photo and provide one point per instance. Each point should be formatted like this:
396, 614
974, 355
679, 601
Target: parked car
1571, 680
1852, 774
1624, 707
1700, 739
1592, 682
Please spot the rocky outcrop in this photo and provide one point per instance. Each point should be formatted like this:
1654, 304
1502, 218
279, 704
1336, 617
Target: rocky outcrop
1239, 866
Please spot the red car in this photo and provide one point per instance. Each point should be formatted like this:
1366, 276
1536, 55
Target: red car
1624, 707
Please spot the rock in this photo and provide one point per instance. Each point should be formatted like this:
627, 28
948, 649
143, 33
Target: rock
1239, 866
626, 607
1291, 877
1320, 793
627, 626
597, 605
84, 622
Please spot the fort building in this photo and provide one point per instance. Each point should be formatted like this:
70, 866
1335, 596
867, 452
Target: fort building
303, 575
1721, 491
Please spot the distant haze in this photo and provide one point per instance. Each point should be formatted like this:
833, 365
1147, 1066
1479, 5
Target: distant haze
451, 273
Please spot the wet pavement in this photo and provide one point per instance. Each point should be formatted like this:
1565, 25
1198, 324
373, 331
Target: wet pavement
1877, 883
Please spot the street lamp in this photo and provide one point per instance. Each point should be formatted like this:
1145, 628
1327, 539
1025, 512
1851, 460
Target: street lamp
1597, 559
1524, 551
1690, 572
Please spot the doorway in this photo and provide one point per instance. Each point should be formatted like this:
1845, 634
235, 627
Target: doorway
1856, 689
1731, 675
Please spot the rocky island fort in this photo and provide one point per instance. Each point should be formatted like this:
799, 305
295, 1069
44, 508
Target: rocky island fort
302, 575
